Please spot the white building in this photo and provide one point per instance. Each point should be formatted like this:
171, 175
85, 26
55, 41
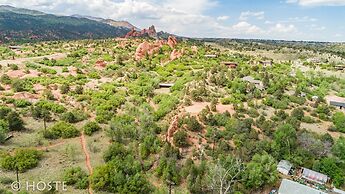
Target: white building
284, 167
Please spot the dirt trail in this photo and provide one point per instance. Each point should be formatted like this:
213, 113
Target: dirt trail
20, 61
42, 148
87, 157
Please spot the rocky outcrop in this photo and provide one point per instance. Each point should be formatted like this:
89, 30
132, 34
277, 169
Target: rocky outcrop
194, 49
150, 32
172, 41
175, 54
147, 48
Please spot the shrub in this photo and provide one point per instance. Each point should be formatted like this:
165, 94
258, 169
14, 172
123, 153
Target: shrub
339, 121
21, 103
192, 123
76, 177
61, 129
308, 119
18, 85
4, 128
73, 116
64, 88
14, 121
5, 79
91, 127
23, 160
180, 139
298, 113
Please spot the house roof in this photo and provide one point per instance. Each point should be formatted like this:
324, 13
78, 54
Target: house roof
291, 187
284, 164
251, 80
229, 63
336, 103
338, 191
314, 176
166, 85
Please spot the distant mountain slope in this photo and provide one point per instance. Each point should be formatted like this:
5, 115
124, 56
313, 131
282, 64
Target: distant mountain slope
119, 24
27, 25
7, 8
111, 22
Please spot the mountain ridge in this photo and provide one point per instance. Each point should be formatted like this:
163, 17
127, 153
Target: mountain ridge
25, 25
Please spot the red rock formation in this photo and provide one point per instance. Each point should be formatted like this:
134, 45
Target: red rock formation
142, 50
100, 64
172, 41
151, 32
147, 48
175, 54
172, 129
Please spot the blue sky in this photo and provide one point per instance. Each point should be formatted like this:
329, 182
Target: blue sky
321, 20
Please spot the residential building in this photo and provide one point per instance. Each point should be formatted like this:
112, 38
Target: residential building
284, 167
292, 187
314, 176
232, 65
258, 84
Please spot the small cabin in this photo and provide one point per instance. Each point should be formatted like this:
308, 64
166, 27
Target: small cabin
15, 48
232, 65
315, 98
211, 56
284, 167
266, 63
258, 84
340, 67
339, 104
314, 176
165, 85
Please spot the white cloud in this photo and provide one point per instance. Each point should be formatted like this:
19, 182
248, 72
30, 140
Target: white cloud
246, 15
283, 29
302, 19
318, 2
315, 27
247, 28
223, 18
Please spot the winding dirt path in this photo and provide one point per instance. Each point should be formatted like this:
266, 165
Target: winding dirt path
42, 148
87, 158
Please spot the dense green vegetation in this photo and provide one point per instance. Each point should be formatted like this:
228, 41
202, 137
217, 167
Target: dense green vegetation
212, 132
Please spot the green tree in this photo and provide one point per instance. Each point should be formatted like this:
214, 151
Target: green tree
4, 128
298, 113
15, 122
339, 148
41, 112
285, 139
181, 139
61, 129
22, 160
261, 170
91, 127
339, 121
77, 177
333, 168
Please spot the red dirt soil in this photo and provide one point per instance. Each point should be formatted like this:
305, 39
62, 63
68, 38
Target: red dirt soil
87, 158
